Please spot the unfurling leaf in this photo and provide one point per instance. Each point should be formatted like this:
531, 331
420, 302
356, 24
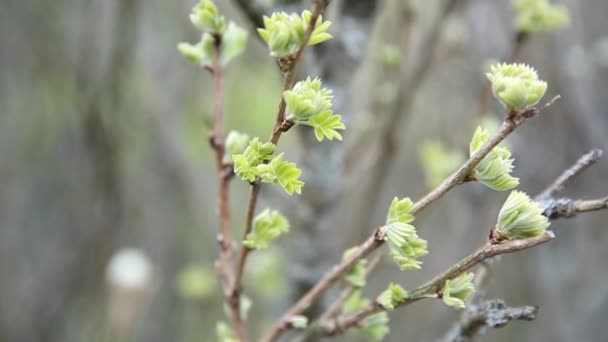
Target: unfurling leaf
392, 296
375, 326
267, 226
284, 33
399, 211
356, 275
234, 41
206, 18
246, 164
282, 172
539, 15
405, 244
455, 291
521, 217
495, 168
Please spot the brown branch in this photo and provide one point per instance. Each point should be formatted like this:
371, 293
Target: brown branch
566, 208
253, 195
376, 240
432, 287
582, 164
224, 174
491, 313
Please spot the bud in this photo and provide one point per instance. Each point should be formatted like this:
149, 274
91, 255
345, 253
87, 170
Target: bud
495, 168
516, 85
356, 275
539, 15
201, 53
521, 217
456, 291
406, 247
206, 18
284, 33
392, 296
235, 144
267, 226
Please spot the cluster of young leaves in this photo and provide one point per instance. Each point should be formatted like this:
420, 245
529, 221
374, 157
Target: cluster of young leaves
455, 291
517, 86
257, 162
267, 226
539, 15
284, 33
521, 217
232, 39
495, 169
405, 244
375, 327
392, 296
438, 162
356, 275
308, 103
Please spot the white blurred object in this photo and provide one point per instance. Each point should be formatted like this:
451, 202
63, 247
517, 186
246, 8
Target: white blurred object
129, 268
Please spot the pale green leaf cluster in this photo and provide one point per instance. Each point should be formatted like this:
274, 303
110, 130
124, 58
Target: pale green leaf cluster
356, 275
225, 333
438, 162
521, 217
298, 321
455, 291
284, 33
539, 15
392, 296
258, 162
195, 282
494, 170
246, 165
267, 226
517, 86
236, 143
206, 18
282, 172
308, 103
375, 326
405, 244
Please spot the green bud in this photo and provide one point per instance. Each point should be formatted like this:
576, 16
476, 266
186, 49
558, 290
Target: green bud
399, 211
438, 162
267, 226
356, 275
456, 291
516, 85
201, 53
206, 18
495, 168
309, 104
234, 41
392, 296
521, 217
235, 144
539, 15
284, 33
298, 321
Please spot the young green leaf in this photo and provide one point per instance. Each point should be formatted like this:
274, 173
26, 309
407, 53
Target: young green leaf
374, 326
399, 211
235, 144
206, 18
521, 217
282, 172
200, 53
456, 291
392, 296
246, 164
267, 226
326, 125
493, 170
234, 41
356, 275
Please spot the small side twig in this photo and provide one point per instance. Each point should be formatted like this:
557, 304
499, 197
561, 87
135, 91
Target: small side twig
488, 250
492, 313
582, 164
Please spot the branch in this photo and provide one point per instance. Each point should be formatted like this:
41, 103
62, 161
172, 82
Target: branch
492, 313
566, 208
432, 287
571, 173
376, 240
224, 174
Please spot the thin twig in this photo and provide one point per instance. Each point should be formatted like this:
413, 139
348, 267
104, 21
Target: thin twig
571, 173
491, 313
566, 208
253, 195
488, 250
376, 240
224, 173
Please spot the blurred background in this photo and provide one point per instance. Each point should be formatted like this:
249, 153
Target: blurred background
108, 188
